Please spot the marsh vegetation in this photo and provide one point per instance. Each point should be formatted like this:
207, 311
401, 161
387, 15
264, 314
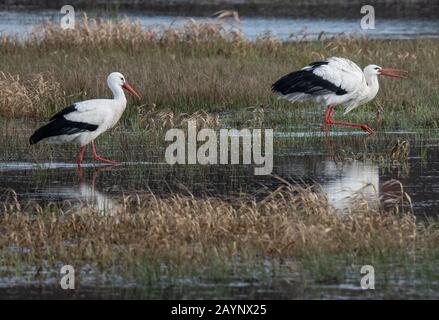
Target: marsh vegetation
151, 230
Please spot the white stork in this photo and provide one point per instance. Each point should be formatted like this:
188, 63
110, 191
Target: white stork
335, 81
84, 121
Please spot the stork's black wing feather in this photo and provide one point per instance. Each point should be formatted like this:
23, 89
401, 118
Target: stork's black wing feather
64, 111
60, 126
306, 81
318, 64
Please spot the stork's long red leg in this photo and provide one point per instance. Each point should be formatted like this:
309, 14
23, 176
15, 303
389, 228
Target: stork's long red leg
80, 156
328, 118
99, 158
364, 127
328, 121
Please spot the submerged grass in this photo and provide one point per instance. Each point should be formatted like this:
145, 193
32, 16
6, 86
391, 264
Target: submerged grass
204, 67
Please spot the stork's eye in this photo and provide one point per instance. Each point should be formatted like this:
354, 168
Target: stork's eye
122, 79
377, 68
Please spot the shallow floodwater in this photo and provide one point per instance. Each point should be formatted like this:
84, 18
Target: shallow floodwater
287, 29
343, 181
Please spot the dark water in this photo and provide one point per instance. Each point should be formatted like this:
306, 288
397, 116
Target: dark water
241, 290
339, 180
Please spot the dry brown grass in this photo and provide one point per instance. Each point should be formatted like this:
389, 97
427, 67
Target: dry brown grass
205, 66
153, 120
24, 98
126, 33
290, 222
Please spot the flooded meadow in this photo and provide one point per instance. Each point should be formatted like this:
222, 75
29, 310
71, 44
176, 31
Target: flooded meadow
144, 228
359, 179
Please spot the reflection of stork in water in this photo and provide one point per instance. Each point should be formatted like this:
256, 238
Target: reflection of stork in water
94, 198
88, 195
348, 183
358, 181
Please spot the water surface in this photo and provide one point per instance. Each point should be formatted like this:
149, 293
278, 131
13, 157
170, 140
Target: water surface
287, 29
341, 181
54, 177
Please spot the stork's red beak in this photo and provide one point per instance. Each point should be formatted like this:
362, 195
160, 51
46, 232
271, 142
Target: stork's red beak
395, 73
127, 87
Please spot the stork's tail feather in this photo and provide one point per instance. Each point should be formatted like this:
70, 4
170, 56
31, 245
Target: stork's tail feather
44, 132
35, 138
304, 84
60, 126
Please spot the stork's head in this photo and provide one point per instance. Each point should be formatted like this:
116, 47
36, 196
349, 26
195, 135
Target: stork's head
117, 79
374, 70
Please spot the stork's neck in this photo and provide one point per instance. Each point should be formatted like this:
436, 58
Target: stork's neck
372, 84
118, 93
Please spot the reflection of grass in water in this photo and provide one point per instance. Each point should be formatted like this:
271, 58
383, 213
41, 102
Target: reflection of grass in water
397, 273
324, 268
217, 278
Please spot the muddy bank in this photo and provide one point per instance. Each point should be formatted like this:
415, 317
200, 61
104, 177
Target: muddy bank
282, 8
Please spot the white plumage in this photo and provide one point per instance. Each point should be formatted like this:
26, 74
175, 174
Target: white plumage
335, 81
348, 76
84, 121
